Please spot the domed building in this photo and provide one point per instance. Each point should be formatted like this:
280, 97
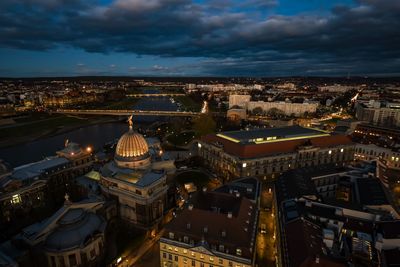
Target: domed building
132, 151
72, 236
137, 179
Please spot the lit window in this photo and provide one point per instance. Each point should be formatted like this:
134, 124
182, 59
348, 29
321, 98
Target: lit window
244, 165
185, 251
330, 152
16, 199
201, 256
341, 150
238, 252
193, 254
199, 145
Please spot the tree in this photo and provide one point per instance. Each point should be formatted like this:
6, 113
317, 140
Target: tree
275, 113
258, 111
204, 124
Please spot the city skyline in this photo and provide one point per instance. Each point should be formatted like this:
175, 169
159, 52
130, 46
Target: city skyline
199, 38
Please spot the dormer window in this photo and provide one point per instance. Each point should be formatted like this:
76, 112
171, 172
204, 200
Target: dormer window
223, 233
186, 239
171, 235
205, 229
238, 252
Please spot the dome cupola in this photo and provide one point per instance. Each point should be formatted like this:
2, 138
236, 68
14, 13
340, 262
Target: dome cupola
132, 150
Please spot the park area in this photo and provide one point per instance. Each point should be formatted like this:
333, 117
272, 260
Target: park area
181, 139
199, 178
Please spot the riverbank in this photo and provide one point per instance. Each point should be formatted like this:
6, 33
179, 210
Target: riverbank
24, 133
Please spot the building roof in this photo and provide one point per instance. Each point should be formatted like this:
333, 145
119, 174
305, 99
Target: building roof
36, 169
248, 187
218, 212
140, 178
73, 230
370, 192
391, 257
303, 241
389, 230
253, 150
271, 134
130, 146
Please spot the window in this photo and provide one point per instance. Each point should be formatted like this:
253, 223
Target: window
72, 260
61, 261
185, 239
193, 263
221, 248
221, 261
185, 251
92, 254
171, 235
176, 258
238, 252
53, 261
164, 255
16, 199
170, 257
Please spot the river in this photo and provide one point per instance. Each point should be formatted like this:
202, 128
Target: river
93, 135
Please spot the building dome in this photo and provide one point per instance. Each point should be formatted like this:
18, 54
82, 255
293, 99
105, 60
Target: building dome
132, 150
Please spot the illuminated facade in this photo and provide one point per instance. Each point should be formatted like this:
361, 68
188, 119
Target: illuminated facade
265, 153
219, 229
137, 180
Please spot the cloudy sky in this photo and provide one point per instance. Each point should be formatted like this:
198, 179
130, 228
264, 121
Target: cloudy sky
199, 37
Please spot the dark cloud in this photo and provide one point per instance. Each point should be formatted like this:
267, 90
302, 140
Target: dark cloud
361, 39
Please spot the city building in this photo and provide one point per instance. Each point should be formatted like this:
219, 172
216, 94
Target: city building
288, 108
267, 152
335, 216
136, 179
75, 235
377, 113
218, 228
42, 183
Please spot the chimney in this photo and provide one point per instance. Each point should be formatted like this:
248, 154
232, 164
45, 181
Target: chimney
230, 215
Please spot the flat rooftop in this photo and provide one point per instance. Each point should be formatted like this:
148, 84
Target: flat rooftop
269, 135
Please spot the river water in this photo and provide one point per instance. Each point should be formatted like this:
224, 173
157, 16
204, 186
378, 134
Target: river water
93, 135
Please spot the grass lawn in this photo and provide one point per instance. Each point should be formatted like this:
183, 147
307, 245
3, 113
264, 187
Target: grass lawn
189, 103
41, 126
181, 139
199, 178
126, 103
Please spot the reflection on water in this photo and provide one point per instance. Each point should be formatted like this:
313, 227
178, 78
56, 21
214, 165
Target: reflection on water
94, 135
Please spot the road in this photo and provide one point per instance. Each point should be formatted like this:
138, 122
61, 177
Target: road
136, 255
266, 242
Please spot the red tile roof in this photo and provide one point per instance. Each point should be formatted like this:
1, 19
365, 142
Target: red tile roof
216, 221
260, 150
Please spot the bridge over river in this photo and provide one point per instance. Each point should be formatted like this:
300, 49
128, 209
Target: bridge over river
127, 112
